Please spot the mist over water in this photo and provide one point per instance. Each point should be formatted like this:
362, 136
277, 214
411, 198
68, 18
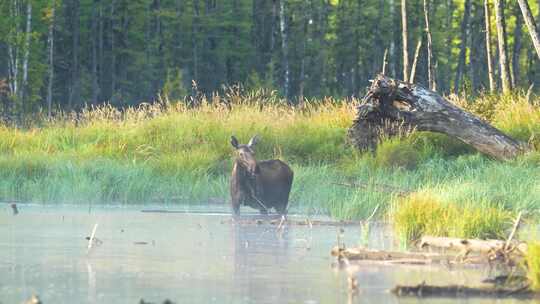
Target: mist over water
199, 257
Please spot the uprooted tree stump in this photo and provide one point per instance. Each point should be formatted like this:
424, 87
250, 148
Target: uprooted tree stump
392, 106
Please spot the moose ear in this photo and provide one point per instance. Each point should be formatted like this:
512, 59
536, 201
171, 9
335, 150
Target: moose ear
234, 142
253, 141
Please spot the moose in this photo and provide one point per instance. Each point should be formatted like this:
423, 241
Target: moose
261, 185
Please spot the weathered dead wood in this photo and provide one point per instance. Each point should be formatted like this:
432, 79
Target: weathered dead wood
471, 245
423, 290
291, 222
399, 257
391, 106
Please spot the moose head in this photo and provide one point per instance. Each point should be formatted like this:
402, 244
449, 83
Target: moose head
245, 154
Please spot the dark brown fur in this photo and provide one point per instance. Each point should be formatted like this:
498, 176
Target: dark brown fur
261, 185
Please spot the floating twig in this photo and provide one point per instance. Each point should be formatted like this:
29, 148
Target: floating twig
513, 232
92, 236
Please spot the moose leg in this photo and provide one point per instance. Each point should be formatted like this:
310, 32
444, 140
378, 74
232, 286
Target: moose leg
281, 208
263, 211
236, 201
236, 209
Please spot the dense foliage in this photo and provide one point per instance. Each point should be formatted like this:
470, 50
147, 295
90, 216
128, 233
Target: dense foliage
68, 53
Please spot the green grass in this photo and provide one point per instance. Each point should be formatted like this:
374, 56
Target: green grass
421, 214
532, 260
174, 154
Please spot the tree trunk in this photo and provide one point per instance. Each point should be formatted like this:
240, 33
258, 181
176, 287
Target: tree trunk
392, 106
284, 47
404, 34
431, 70
531, 26
51, 60
477, 66
94, 34
503, 49
24, 84
392, 49
516, 52
302, 79
74, 95
113, 52
487, 18
415, 60
377, 39
195, 41
446, 74
13, 54
463, 47
384, 62
100, 52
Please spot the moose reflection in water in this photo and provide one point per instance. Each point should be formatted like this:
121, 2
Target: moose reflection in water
262, 262
262, 185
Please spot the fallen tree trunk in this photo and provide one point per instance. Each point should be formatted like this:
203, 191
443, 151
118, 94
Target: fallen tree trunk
423, 290
472, 245
392, 107
410, 258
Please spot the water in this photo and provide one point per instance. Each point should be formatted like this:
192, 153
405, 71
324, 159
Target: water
190, 258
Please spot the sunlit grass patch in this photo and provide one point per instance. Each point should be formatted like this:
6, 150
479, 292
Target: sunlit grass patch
421, 214
532, 260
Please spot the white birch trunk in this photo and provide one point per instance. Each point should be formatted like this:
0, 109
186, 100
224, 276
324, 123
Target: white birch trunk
26, 51
404, 33
284, 47
431, 71
503, 50
531, 26
487, 19
51, 61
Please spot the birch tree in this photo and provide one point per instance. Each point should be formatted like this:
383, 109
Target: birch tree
487, 19
50, 73
284, 47
463, 44
431, 70
404, 33
531, 25
503, 50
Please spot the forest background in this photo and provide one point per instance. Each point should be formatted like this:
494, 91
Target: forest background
66, 54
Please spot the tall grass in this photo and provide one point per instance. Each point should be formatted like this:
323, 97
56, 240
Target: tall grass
174, 153
421, 214
532, 260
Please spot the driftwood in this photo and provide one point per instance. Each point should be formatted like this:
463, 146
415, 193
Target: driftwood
278, 222
423, 290
391, 106
471, 245
399, 257
510, 253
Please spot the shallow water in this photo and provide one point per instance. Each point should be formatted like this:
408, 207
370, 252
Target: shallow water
190, 258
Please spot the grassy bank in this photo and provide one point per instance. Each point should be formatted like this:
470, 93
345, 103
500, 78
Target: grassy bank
175, 154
